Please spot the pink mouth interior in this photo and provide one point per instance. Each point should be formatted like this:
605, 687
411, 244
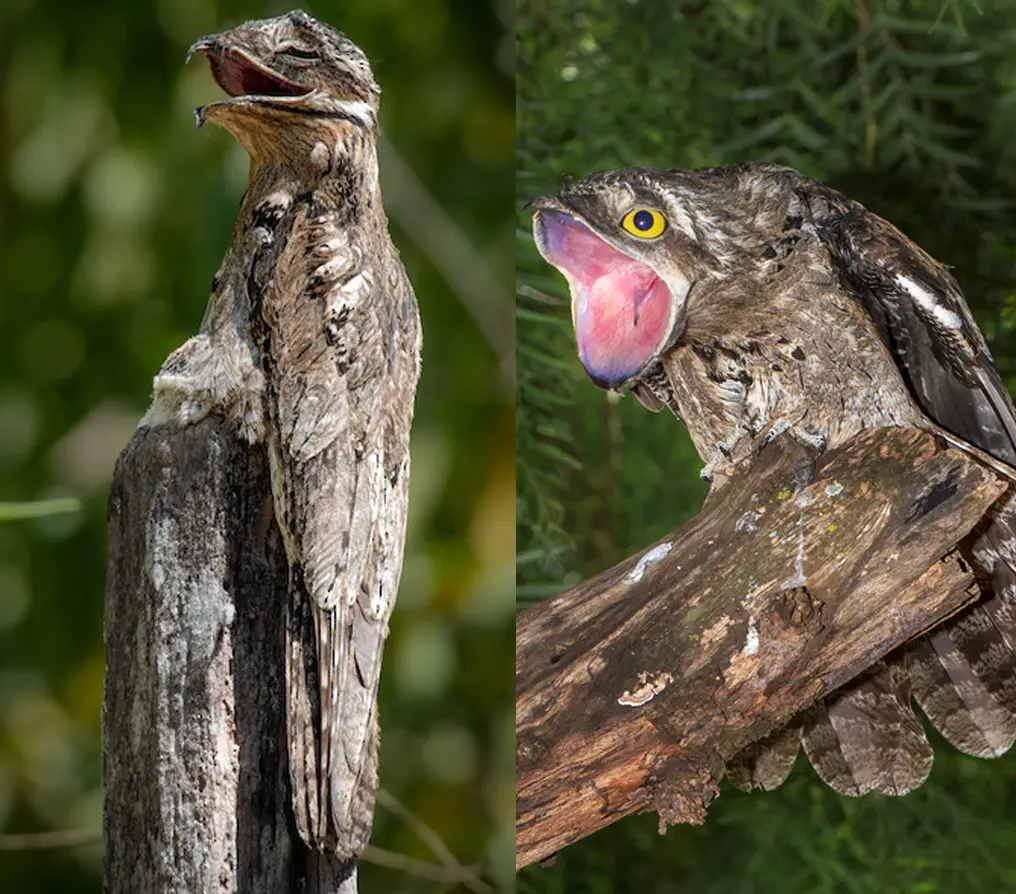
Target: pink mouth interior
620, 307
239, 77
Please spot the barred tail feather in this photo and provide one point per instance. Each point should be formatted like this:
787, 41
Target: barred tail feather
866, 737
303, 713
332, 748
965, 671
766, 764
956, 700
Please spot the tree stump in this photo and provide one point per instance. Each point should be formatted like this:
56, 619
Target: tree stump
194, 752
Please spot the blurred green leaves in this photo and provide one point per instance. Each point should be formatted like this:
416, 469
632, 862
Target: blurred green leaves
37, 509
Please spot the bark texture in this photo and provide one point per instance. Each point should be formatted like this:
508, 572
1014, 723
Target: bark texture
636, 687
194, 753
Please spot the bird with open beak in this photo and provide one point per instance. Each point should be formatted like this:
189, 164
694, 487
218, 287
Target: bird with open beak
756, 303
310, 349
296, 66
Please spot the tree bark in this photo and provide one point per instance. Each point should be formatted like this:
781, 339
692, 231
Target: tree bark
194, 751
634, 688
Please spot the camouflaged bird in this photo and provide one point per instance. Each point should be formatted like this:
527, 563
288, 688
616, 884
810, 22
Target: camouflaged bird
752, 301
310, 345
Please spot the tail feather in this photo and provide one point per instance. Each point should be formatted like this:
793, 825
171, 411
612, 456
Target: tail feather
766, 764
965, 670
866, 737
302, 715
822, 747
332, 730
988, 658
993, 551
956, 701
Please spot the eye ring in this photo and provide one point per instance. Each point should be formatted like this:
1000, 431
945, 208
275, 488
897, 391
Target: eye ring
644, 223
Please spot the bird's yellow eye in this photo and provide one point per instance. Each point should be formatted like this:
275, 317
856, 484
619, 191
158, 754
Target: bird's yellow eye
644, 223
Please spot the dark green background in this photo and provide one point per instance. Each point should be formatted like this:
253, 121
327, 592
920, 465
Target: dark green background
114, 214
909, 107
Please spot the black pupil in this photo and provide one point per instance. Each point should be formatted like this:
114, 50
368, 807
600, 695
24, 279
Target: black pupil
643, 220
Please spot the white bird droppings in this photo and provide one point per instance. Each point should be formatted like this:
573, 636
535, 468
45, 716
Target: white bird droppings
751, 641
654, 555
799, 579
746, 524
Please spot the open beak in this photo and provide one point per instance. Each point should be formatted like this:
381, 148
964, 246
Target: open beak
622, 309
244, 78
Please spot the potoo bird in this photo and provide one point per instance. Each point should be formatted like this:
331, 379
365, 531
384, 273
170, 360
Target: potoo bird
753, 302
310, 346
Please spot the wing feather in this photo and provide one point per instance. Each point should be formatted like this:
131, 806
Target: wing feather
343, 356
963, 673
924, 320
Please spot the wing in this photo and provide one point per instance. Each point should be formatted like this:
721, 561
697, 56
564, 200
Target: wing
924, 320
964, 673
342, 363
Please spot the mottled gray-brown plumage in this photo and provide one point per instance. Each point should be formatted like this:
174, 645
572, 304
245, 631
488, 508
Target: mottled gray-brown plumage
310, 346
770, 304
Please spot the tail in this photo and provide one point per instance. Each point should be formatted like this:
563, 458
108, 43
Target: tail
965, 672
866, 738
862, 738
332, 728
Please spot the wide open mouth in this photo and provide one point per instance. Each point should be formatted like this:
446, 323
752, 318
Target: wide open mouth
242, 76
621, 308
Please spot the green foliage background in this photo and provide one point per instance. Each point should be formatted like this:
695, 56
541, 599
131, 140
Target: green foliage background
908, 106
114, 214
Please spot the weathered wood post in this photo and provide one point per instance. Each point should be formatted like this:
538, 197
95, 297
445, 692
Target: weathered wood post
194, 752
635, 688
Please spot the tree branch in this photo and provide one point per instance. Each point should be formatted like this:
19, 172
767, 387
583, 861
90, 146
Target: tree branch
449, 862
634, 688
